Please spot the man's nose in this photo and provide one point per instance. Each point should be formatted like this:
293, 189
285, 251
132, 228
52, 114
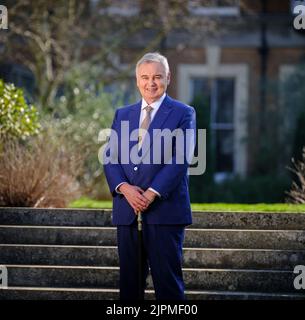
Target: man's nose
151, 82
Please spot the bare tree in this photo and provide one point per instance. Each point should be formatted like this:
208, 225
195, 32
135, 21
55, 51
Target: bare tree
47, 38
297, 192
51, 38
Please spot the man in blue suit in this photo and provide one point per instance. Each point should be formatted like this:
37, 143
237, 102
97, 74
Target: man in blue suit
154, 182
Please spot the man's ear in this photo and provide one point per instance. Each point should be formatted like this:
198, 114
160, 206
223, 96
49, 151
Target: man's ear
168, 78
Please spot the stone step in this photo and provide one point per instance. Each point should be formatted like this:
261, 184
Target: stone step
108, 277
99, 218
55, 217
95, 236
71, 254
245, 239
192, 257
43, 293
198, 238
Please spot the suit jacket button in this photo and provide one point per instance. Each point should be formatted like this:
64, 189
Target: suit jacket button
135, 168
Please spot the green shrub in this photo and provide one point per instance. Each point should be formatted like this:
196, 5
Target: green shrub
257, 189
80, 113
299, 137
293, 117
198, 182
17, 118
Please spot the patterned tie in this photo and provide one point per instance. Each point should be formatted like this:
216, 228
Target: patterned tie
144, 125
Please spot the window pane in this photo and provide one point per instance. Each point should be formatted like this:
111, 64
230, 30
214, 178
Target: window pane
219, 95
224, 150
201, 88
225, 100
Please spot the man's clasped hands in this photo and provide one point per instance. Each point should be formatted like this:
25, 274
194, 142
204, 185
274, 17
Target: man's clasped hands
137, 197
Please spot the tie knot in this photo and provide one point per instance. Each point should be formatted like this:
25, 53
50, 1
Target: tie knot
148, 109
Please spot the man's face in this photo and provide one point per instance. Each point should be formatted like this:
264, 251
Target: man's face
152, 80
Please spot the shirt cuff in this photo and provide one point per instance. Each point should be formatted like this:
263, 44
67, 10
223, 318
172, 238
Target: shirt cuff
156, 192
117, 187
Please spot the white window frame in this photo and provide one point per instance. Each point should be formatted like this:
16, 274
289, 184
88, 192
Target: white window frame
229, 11
115, 10
240, 73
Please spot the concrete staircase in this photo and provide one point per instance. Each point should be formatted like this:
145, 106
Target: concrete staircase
72, 254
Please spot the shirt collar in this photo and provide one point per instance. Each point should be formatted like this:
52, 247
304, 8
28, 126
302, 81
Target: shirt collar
155, 105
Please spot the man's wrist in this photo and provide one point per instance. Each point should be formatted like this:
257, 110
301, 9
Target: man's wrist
121, 188
155, 191
150, 195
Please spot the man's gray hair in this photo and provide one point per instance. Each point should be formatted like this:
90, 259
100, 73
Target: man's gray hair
154, 57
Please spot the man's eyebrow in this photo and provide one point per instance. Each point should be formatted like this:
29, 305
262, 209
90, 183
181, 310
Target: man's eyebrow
155, 75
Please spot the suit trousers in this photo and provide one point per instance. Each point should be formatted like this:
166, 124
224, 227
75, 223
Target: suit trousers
162, 252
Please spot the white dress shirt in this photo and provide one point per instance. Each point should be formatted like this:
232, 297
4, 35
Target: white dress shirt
155, 105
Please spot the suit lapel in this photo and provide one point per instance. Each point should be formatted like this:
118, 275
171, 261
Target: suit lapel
134, 118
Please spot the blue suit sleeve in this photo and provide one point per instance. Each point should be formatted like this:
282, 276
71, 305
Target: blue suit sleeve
113, 169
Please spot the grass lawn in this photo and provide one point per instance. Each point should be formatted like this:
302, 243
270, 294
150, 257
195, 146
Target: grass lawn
259, 207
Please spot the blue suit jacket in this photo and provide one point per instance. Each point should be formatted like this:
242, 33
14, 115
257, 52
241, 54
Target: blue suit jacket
170, 179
